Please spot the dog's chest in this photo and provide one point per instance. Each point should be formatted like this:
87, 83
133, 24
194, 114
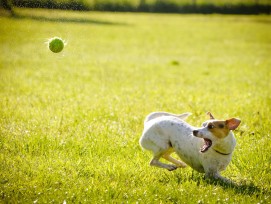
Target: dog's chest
187, 148
188, 151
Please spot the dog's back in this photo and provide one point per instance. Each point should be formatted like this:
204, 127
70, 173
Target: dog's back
154, 115
153, 136
151, 127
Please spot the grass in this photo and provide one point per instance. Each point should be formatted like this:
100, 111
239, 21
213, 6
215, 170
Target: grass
70, 122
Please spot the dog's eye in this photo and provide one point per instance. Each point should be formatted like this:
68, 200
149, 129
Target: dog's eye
211, 126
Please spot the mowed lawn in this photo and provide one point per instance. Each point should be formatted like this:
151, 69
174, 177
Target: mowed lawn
70, 122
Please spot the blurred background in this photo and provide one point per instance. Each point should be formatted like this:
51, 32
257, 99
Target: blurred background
164, 6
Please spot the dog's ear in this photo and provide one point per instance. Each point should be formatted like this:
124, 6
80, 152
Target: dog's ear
233, 123
211, 116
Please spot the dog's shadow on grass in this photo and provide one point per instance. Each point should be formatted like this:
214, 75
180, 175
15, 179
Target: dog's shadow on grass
242, 187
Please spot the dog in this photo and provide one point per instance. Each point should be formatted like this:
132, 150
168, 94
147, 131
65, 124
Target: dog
207, 149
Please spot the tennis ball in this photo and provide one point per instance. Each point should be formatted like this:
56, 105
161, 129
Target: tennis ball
56, 44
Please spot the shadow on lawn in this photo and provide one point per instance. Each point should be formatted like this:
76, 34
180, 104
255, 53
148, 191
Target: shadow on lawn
241, 188
66, 19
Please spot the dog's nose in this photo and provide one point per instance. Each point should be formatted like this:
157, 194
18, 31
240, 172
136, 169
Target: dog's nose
195, 132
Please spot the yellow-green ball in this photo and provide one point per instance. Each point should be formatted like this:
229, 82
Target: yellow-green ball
56, 44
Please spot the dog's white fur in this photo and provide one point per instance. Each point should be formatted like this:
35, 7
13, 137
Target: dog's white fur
165, 133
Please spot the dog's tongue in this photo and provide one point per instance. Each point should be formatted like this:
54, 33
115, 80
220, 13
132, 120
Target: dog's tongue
206, 146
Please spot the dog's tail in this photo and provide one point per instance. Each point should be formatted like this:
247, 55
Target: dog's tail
159, 114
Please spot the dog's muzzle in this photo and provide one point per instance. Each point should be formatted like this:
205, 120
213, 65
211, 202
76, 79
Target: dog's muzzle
207, 142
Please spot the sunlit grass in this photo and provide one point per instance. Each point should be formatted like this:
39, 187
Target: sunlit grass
70, 122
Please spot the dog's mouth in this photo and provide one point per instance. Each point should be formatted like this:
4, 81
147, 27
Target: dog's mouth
206, 146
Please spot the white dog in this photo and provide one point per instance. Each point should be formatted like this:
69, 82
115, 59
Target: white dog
207, 149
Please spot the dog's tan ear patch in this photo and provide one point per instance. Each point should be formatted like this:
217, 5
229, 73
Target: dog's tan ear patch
233, 123
219, 128
210, 115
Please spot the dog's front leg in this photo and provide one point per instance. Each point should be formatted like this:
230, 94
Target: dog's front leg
217, 176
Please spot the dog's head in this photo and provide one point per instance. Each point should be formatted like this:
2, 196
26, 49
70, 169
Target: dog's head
214, 130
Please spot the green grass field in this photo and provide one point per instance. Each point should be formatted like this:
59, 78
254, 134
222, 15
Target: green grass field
70, 122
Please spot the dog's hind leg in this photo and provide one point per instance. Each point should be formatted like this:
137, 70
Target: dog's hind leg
155, 162
178, 163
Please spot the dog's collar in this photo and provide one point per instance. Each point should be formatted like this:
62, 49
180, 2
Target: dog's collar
222, 153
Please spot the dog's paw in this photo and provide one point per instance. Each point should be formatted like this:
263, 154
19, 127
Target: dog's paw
218, 178
226, 180
171, 167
